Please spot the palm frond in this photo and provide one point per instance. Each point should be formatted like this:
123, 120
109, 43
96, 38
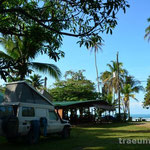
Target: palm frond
147, 34
3, 55
133, 96
110, 67
7, 43
136, 89
53, 70
10, 46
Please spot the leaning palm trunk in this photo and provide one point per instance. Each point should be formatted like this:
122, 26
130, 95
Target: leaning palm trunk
97, 73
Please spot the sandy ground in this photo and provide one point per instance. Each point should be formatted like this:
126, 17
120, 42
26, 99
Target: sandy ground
142, 124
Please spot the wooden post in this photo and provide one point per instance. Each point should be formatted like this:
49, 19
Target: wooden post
45, 82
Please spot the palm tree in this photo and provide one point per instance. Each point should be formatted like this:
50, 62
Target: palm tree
96, 44
105, 77
130, 87
147, 31
36, 81
147, 94
5, 68
109, 78
21, 52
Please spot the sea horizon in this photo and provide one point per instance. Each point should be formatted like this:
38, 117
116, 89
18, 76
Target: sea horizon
141, 115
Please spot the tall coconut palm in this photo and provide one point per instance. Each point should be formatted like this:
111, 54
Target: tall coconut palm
105, 77
95, 45
21, 52
130, 87
147, 31
109, 78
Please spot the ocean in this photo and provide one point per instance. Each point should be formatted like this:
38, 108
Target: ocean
143, 116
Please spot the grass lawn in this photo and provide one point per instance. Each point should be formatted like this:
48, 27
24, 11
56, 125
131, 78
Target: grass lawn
90, 138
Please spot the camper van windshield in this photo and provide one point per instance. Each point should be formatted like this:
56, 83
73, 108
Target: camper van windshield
6, 111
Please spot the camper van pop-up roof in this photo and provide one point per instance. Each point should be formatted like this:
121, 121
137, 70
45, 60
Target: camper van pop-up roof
23, 92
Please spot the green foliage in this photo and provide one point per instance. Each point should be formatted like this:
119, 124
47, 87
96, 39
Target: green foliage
131, 86
5, 68
36, 81
2, 89
44, 23
75, 75
110, 81
109, 78
75, 88
17, 61
78, 18
109, 98
128, 85
147, 95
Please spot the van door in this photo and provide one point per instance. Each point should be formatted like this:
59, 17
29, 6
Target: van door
54, 124
26, 114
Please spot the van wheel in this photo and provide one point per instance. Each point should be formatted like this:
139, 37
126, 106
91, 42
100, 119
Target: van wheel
10, 126
66, 132
32, 138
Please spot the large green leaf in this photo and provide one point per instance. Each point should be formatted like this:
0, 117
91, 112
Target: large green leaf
5, 56
47, 68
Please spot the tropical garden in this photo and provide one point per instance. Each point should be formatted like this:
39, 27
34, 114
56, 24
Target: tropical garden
25, 34
33, 28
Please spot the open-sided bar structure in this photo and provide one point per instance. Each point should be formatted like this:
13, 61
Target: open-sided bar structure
82, 111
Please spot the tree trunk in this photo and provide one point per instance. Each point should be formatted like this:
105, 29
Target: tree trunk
129, 109
125, 109
22, 77
97, 73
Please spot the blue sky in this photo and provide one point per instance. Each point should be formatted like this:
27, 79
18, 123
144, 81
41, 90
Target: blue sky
127, 39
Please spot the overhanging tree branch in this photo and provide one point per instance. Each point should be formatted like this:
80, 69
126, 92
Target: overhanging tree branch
23, 12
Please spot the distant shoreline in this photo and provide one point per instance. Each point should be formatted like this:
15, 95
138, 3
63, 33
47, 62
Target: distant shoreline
140, 115
143, 116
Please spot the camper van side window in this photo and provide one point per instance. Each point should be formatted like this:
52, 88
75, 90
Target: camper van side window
52, 115
28, 112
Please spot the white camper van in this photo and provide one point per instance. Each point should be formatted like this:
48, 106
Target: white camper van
26, 112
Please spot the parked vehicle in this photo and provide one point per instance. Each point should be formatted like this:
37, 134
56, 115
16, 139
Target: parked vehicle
26, 112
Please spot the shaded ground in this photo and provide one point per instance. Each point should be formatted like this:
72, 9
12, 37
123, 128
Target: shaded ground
100, 137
